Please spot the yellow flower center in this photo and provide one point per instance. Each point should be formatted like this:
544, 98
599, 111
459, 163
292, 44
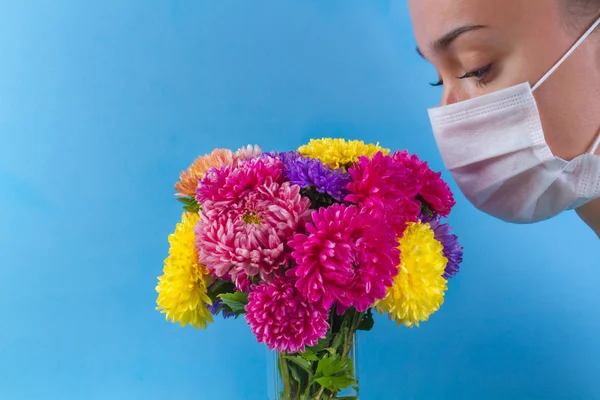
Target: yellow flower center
251, 218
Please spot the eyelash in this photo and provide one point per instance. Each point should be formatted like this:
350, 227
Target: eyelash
478, 74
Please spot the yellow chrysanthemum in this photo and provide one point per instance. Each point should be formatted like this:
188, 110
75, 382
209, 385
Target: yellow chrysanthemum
339, 153
418, 289
182, 293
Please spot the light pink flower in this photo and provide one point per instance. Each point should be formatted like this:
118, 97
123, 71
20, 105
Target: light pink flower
242, 282
250, 235
348, 256
247, 152
283, 318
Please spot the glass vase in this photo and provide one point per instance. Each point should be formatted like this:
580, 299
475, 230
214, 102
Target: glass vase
326, 371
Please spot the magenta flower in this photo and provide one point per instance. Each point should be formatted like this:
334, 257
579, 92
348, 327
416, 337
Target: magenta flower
348, 256
250, 236
387, 188
433, 189
222, 187
283, 318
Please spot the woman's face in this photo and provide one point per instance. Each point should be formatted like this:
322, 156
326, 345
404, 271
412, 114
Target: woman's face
480, 47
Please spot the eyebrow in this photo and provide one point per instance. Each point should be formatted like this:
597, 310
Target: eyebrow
445, 41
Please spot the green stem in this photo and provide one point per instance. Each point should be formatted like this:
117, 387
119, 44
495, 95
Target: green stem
285, 376
345, 325
356, 318
320, 393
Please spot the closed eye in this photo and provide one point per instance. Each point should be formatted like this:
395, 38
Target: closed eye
478, 74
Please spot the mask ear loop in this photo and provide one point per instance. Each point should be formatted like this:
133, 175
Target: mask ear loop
571, 50
596, 145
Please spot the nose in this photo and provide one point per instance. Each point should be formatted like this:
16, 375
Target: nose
451, 95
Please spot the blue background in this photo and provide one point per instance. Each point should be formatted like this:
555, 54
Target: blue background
103, 103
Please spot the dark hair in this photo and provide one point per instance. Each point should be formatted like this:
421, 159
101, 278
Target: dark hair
583, 8
581, 12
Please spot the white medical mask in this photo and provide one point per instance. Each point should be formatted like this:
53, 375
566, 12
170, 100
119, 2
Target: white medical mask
495, 149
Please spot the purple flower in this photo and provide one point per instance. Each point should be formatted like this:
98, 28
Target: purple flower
310, 172
453, 251
216, 305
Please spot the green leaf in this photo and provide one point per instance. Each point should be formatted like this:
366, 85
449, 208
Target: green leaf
335, 373
236, 301
335, 383
331, 351
309, 355
190, 203
334, 365
317, 199
339, 338
294, 372
325, 365
195, 208
186, 200
425, 208
220, 287
348, 398
321, 344
367, 322
301, 362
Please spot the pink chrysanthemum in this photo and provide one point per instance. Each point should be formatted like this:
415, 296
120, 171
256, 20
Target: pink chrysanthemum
349, 256
241, 281
386, 187
247, 152
222, 187
250, 235
433, 189
283, 318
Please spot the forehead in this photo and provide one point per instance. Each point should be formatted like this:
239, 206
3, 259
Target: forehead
434, 18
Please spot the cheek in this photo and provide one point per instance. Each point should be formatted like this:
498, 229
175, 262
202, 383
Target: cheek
567, 119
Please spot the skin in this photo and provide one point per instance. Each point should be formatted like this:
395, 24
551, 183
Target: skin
521, 41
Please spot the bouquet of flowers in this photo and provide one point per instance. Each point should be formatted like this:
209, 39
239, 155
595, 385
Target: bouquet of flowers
306, 244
